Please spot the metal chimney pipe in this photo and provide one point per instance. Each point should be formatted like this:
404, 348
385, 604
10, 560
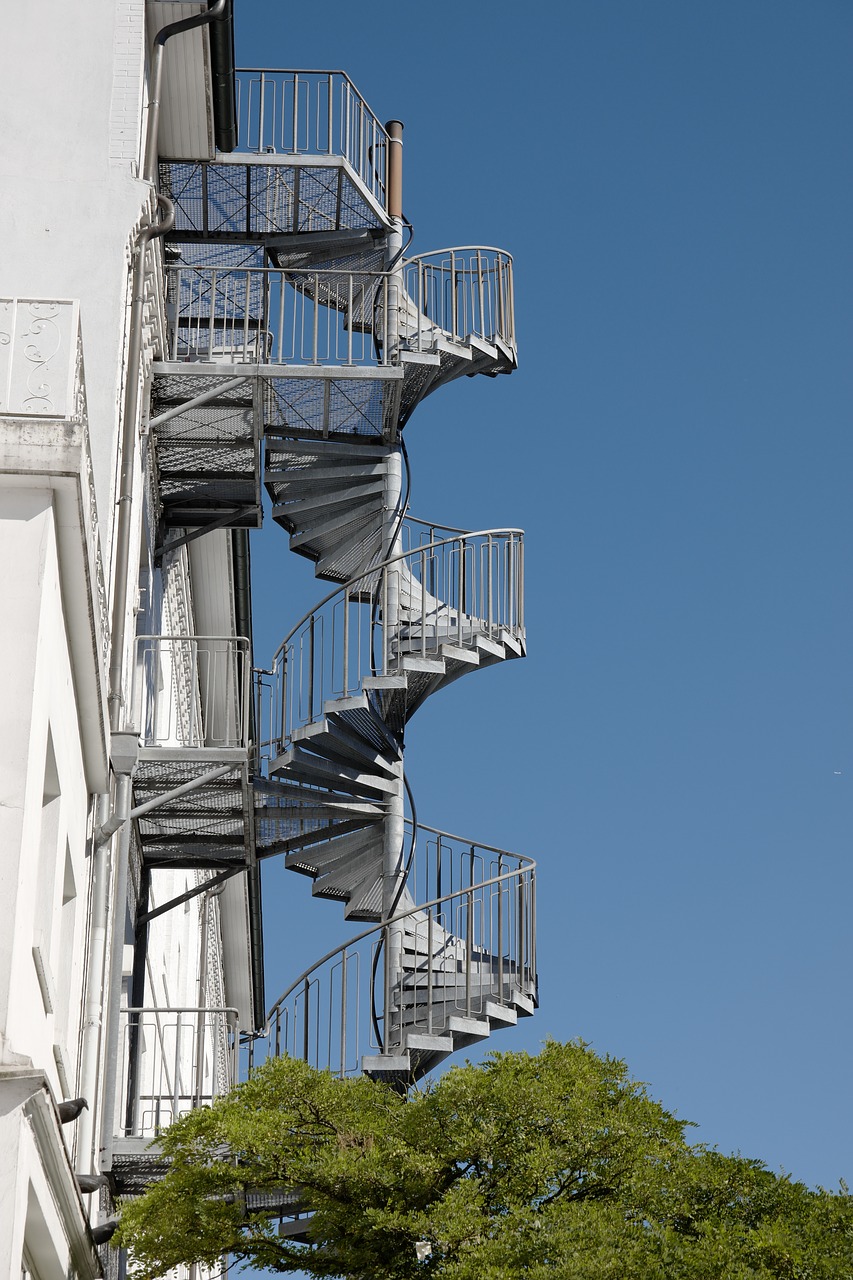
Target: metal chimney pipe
394, 196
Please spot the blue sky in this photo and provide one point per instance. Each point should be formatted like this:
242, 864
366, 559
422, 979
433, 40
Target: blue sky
673, 180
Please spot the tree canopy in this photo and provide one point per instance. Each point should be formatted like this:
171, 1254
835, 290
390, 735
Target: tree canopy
557, 1164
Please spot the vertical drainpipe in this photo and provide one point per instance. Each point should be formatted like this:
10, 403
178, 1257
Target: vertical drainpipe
121, 589
392, 853
90, 1036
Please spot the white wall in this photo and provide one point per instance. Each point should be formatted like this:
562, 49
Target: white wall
71, 119
43, 800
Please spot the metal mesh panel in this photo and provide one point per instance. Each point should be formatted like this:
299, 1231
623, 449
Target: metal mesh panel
207, 253
284, 816
236, 199
207, 457
133, 1173
417, 382
352, 406
206, 826
175, 388
362, 261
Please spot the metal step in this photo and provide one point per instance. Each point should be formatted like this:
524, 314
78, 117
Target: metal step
332, 740
305, 767
321, 858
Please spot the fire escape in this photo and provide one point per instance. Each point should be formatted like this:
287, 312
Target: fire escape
301, 339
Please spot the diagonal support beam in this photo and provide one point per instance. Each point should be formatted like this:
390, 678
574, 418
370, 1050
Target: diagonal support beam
222, 523
204, 397
184, 789
190, 893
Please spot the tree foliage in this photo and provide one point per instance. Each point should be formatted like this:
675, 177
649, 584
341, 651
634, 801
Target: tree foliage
553, 1165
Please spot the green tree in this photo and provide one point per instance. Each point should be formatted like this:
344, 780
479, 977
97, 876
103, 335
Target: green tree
553, 1165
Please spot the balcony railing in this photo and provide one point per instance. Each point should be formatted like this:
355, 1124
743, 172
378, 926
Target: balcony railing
468, 951
42, 378
465, 292
192, 691
312, 114
172, 1060
278, 317
448, 592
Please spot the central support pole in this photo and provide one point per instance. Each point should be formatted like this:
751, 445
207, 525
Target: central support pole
393, 860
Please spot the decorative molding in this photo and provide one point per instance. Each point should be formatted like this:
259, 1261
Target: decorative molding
39, 344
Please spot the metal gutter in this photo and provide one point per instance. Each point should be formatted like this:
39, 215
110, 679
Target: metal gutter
243, 626
223, 78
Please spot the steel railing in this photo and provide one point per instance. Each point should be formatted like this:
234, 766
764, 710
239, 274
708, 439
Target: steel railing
464, 292
273, 316
311, 114
441, 595
173, 1060
467, 950
192, 691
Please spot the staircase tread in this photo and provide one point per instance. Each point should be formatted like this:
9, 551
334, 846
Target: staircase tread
327, 527
316, 770
332, 739
433, 666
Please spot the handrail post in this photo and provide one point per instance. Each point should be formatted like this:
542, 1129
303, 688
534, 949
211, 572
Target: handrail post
480, 294
386, 1003
306, 1042
345, 689
430, 980
261, 112
469, 942
330, 106
311, 669
500, 891
343, 1042
521, 931
176, 1069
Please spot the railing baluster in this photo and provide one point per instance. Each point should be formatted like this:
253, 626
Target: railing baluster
343, 1044
500, 946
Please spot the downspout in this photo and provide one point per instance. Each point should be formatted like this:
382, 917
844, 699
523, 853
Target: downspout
120, 573
155, 82
243, 620
130, 416
90, 1036
222, 76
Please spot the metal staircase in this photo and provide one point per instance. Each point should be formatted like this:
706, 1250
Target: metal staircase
300, 343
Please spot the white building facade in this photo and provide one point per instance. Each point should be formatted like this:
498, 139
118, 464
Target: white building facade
205, 289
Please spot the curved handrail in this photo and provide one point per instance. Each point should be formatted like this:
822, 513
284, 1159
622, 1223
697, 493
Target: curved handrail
464, 291
488, 848
371, 573
438, 524
459, 248
392, 920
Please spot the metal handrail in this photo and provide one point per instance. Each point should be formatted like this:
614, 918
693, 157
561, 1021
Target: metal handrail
449, 591
164, 1070
273, 315
392, 920
371, 573
487, 848
314, 113
201, 701
470, 948
465, 291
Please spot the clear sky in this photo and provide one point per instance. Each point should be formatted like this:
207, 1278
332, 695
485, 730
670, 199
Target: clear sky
673, 178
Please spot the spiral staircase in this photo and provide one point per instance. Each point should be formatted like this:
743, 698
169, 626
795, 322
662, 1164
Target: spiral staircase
301, 341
